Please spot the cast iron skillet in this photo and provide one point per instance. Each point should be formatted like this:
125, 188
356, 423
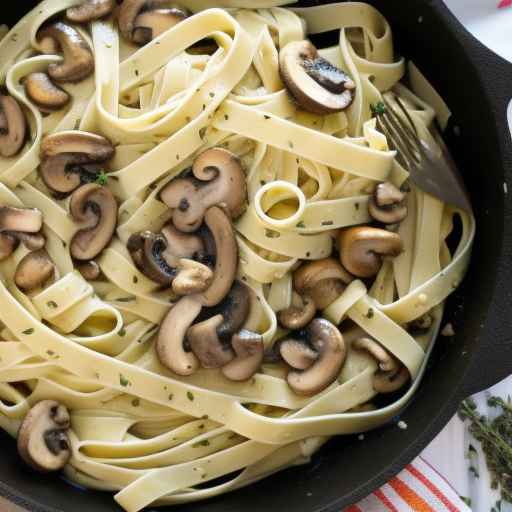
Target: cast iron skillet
477, 85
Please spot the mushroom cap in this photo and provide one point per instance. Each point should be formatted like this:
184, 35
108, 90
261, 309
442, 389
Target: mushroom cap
387, 205
146, 250
32, 241
389, 382
8, 244
78, 59
206, 344
181, 245
387, 363
317, 85
94, 208
89, 270
249, 350
169, 346
298, 315
42, 439
323, 280
90, 10
226, 256
27, 220
193, 277
218, 179
34, 270
46, 95
13, 127
150, 24
297, 353
234, 309
327, 340
72, 158
362, 249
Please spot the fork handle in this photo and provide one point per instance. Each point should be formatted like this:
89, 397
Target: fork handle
486, 152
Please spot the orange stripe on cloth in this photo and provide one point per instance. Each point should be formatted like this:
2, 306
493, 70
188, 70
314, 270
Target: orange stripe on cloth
385, 501
432, 488
417, 503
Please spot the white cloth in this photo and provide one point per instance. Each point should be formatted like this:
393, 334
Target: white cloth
448, 452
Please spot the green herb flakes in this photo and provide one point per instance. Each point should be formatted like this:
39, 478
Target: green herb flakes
190, 396
122, 332
171, 396
370, 313
28, 332
135, 402
124, 381
301, 224
125, 299
135, 279
378, 109
52, 304
327, 223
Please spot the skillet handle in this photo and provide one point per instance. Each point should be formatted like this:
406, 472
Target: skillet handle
492, 362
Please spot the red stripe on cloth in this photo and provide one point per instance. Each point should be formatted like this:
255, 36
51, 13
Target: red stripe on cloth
385, 501
432, 488
425, 461
353, 508
417, 503
505, 3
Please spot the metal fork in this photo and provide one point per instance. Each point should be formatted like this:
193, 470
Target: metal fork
431, 167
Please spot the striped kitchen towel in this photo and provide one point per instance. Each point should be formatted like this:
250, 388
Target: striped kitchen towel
418, 488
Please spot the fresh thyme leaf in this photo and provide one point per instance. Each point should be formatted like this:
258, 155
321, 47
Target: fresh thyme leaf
378, 109
102, 178
495, 437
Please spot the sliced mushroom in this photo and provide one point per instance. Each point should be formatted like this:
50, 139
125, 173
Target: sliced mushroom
299, 314
297, 353
181, 245
146, 250
362, 249
90, 10
323, 280
34, 270
249, 349
13, 126
327, 341
234, 309
389, 382
217, 179
89, 270
78, 59
43, 442
72, 158
170, 343
387, 205
421, 325
47, 96
94, 208
387, 363
317, 85
139, 23
192, 277
20, 224
205, 343
226, 256
150, 24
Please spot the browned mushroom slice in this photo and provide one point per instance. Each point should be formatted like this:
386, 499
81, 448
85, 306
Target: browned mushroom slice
94, 208
27, 220
327, 341
78, 59
89, 270
249, 349
90, 10
297, 353
146, 250
317, 85
8, 244
389, 382
13, 127
139, 23
206, 345
362, 249
322, 280
150, 24
387, 205
218, 179
44, 93
299, 314
73, 158
43, 442
226, 256
169, 347
193, 277
34, 270
32, 241
387, 363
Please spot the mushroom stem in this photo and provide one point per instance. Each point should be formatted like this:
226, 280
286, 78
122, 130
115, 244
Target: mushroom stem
169, 345
299, 314
387, 363
389, 382
34, 270
387, 205
193, 277
249, 349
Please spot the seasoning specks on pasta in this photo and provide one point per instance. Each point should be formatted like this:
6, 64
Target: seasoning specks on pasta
190, 396
29, 331
124, 381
